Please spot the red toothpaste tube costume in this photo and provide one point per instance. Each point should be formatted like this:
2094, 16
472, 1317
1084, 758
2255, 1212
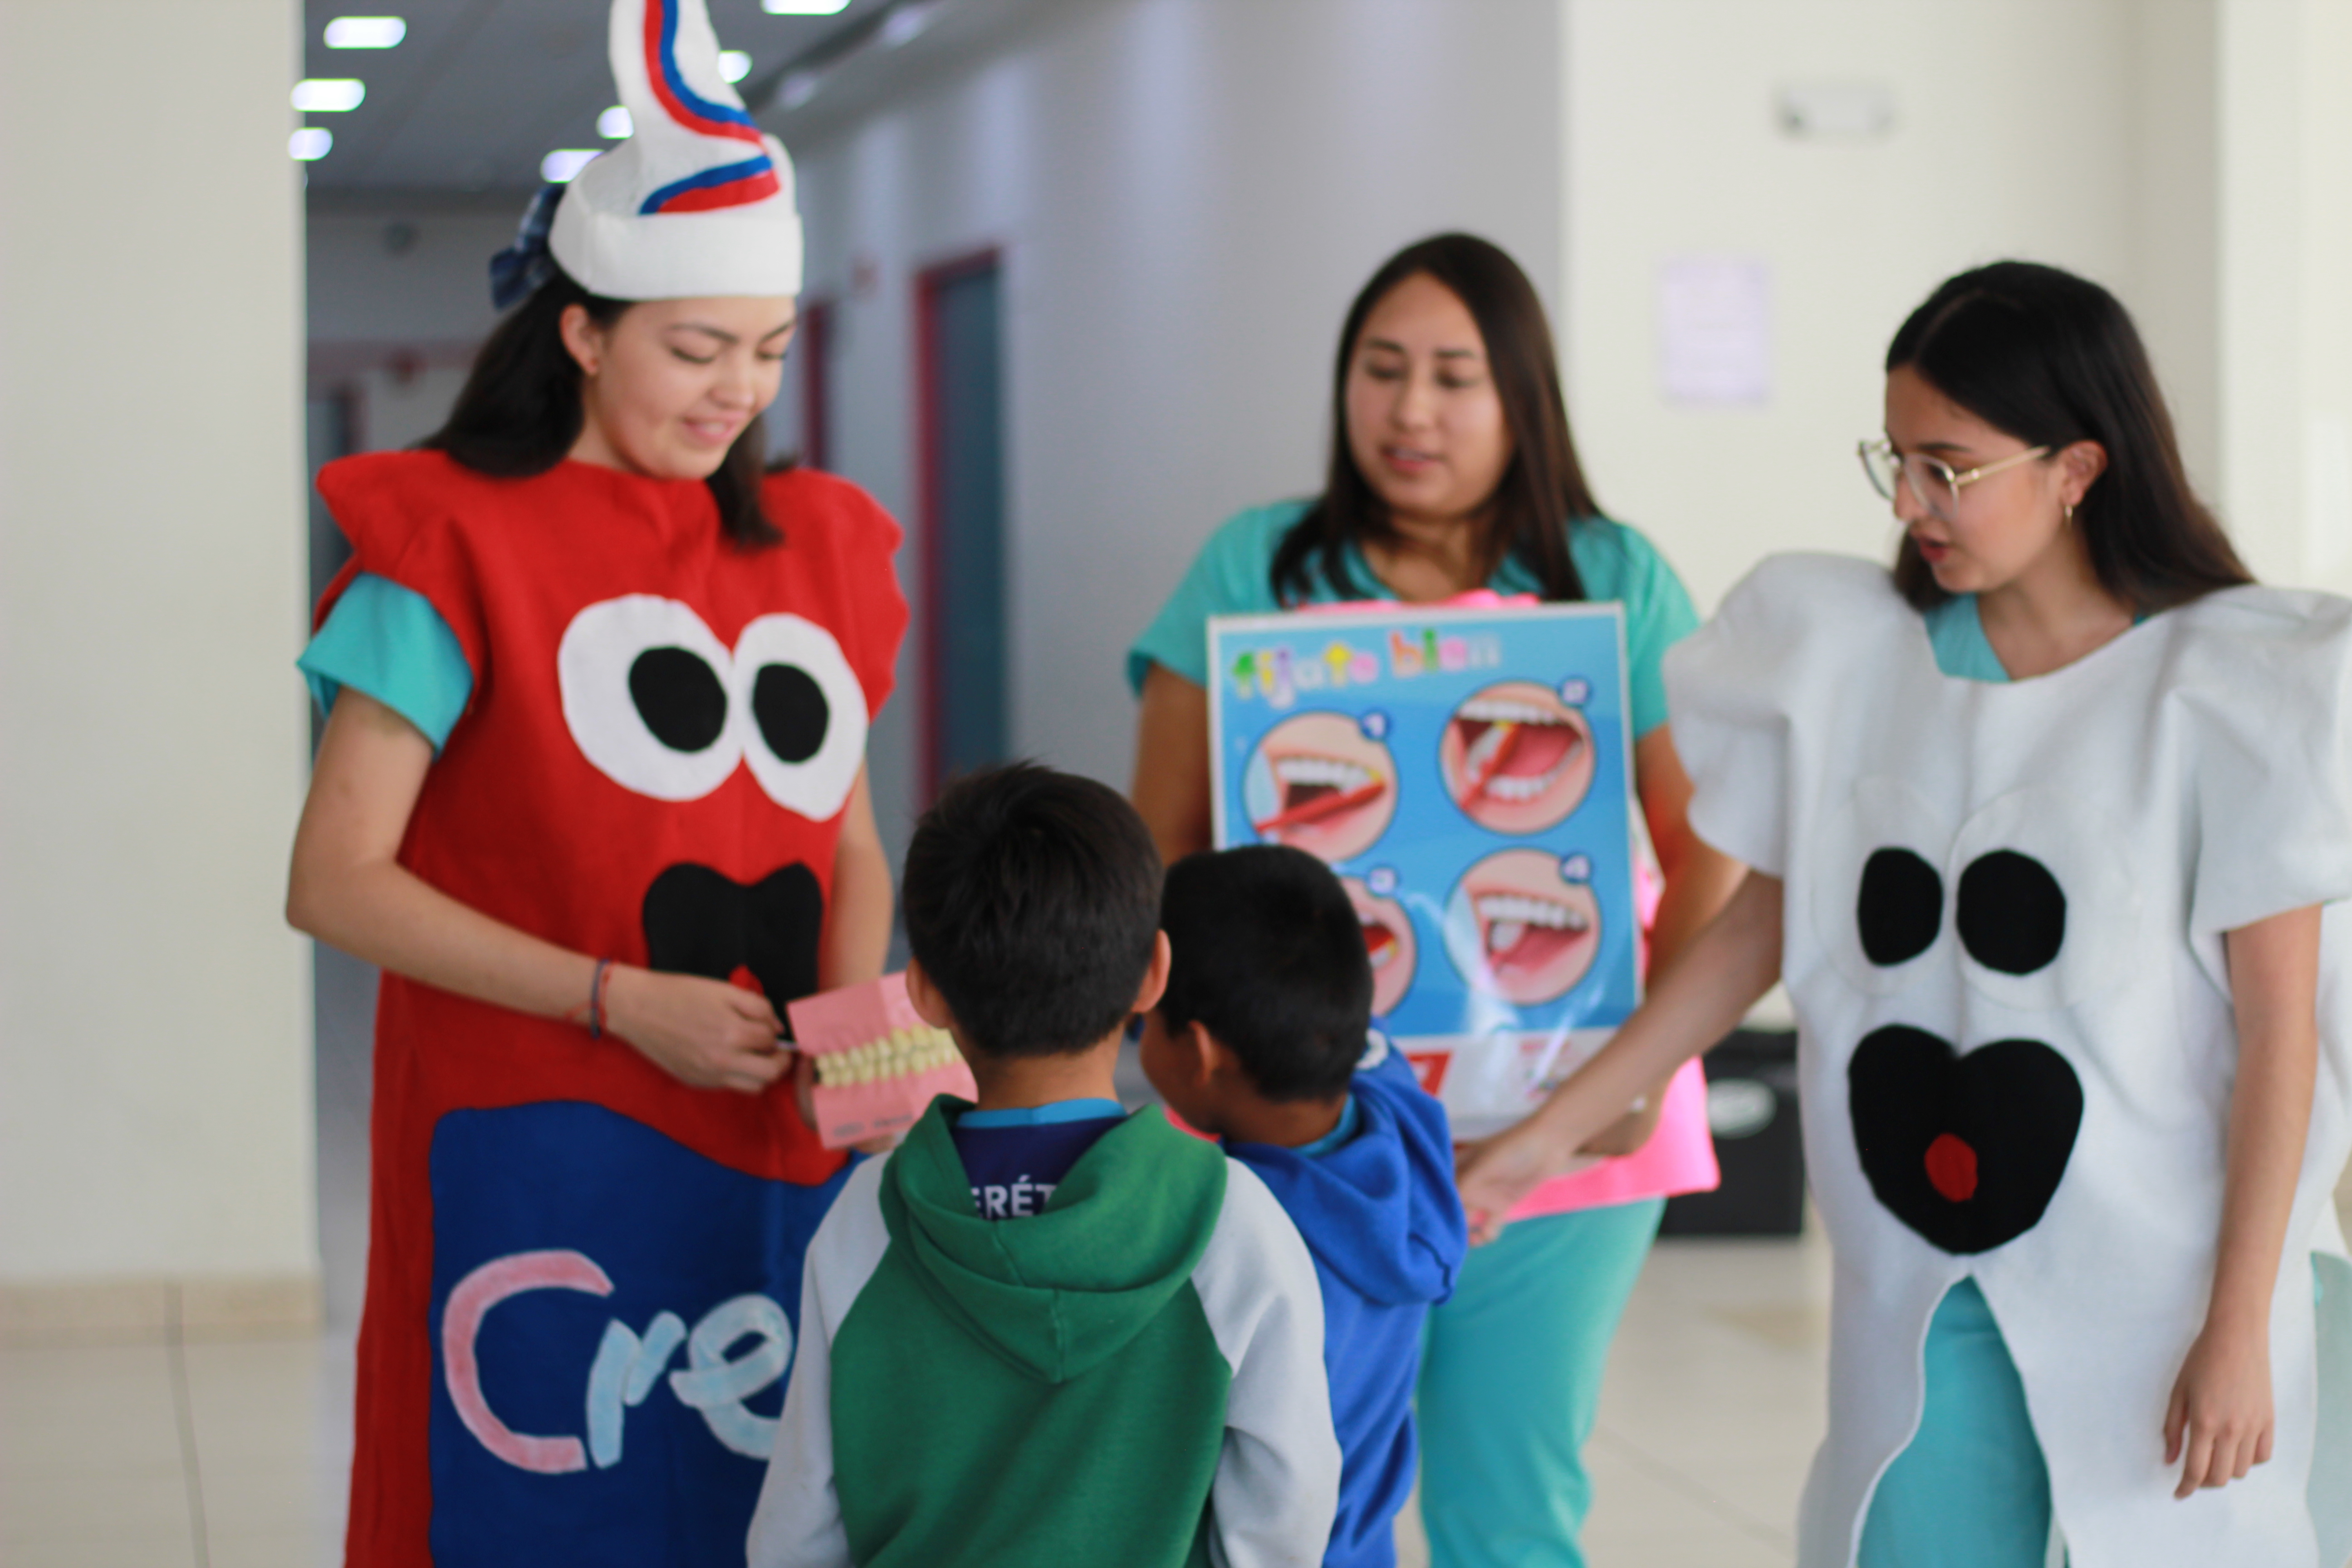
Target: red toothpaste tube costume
583, 1274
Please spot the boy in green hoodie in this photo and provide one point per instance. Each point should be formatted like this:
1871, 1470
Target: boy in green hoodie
1042, 1331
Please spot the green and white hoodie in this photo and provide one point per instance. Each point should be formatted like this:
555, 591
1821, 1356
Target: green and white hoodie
1132, 1376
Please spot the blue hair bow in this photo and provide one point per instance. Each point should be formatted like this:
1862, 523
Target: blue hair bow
516, 271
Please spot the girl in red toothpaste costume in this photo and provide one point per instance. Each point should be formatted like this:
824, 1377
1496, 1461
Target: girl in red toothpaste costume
592, 792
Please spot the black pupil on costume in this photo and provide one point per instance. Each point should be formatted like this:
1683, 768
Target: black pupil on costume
1901, 905
792, 711
680, 698
2012, 913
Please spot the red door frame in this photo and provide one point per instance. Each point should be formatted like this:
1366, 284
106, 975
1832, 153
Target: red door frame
931, 480
816, 345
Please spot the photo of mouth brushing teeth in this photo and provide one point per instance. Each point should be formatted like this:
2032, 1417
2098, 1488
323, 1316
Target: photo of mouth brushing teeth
1388, 942
1516, 758
1319, 783
1518, 928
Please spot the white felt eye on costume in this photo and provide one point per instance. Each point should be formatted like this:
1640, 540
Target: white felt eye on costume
1879, 903
644, 687
800, 714
2042, 901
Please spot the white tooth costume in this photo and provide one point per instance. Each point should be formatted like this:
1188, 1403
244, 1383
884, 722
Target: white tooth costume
2038, 875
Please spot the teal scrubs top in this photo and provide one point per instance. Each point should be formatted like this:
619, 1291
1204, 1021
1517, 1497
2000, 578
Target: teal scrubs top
1231, 577
391, 643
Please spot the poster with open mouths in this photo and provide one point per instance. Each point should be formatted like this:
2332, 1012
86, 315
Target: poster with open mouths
1468, 773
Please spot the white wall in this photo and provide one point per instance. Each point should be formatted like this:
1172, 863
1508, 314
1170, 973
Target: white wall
155, 1068
2194, 155
1187, 193
2284, 283
2014, 136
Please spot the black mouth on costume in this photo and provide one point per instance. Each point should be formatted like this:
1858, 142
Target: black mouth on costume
1968, 1151
702, 921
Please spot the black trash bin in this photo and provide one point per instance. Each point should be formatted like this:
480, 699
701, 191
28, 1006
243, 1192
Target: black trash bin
1751, 1108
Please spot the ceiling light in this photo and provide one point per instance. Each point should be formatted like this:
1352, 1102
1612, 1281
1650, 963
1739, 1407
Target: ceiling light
328, 94
799, 87
906, 23
559, 166
311, 143
734, 64
365, 32
615, 122
802, 7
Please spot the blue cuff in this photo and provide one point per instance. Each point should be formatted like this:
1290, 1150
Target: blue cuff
391, 643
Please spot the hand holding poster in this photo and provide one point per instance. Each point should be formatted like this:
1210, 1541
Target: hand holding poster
1468, 773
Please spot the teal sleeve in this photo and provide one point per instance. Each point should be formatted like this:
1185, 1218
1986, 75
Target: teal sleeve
1229, 577
1617, 562
391, 643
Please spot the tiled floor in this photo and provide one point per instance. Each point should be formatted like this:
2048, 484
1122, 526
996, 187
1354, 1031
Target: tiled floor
232, 1455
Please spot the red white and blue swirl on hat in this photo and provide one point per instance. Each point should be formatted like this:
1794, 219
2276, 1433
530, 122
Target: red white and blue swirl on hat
729, 184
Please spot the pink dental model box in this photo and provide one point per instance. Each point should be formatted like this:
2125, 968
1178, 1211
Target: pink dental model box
877, 1063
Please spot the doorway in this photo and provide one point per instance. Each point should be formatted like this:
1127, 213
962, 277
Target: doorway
960, 338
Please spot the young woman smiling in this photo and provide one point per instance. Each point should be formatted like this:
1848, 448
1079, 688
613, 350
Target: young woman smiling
593, 793
2039, 832
1452, 469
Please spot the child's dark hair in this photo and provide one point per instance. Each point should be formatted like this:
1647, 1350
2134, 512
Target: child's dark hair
1269, 954
2053, 359
1032, 901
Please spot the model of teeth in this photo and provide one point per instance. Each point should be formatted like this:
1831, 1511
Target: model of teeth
1506, 917
898, 1054
1331, 772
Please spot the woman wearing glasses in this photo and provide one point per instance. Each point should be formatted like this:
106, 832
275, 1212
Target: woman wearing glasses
2039, 826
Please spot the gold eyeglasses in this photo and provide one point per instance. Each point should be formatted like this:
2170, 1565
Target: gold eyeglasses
1932, 480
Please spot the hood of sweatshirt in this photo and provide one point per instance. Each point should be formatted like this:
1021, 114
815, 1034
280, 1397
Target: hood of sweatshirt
1056, 1293
1380, 1211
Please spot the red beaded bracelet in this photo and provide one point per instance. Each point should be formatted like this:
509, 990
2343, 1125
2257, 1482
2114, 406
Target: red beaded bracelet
596, 1000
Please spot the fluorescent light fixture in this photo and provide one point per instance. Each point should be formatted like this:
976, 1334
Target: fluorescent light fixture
328, 94
734, 64
559, 166
615, 122
311, 143
907, 22
799, 87
365, 32
803, 7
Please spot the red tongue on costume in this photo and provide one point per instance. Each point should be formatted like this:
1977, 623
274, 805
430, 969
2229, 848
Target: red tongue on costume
1378, 940
1952, 1168
743, 977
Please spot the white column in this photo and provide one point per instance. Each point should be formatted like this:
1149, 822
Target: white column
155, 1111
2284, 286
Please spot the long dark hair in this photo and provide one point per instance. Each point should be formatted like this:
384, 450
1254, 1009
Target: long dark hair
2053, 359
519, 411
1541, 491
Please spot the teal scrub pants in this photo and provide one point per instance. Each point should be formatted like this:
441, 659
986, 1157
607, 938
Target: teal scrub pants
1971, 1489
1510, 1385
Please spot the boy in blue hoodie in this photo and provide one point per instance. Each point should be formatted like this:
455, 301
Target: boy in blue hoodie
1259, 1039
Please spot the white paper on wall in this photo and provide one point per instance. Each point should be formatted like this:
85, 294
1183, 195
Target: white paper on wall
1715, 331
